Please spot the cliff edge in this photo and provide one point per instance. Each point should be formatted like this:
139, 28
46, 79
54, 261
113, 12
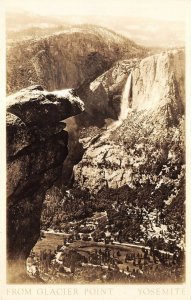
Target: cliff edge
37, 146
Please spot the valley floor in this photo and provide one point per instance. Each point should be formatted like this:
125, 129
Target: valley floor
53, 260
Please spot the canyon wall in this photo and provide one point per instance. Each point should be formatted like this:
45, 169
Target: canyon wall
156, 118
157, 79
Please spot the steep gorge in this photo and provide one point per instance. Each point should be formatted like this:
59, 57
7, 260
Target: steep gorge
133, 170
73, 58
145, 150
37, 144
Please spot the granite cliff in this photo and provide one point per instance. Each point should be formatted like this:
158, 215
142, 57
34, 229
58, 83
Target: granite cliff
154, 79
157, 79
153, 128
37, 146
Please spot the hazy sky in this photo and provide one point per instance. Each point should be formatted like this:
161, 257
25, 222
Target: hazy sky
162, 9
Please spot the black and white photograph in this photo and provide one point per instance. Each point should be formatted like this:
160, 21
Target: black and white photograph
96, 142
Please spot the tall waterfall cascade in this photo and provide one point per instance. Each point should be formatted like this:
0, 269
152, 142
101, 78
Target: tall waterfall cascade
124, 109
125, 99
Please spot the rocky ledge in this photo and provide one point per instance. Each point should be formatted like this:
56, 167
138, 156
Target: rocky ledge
36, 149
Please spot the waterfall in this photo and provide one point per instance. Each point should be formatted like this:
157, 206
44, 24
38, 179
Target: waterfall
123, 112
125, 99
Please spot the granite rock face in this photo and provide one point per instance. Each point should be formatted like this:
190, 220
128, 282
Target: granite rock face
37, 146
154, 80
157, 79
157, 108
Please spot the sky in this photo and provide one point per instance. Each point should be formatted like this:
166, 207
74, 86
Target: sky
161, 10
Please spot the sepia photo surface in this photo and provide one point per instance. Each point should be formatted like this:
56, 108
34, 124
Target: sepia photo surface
96, 148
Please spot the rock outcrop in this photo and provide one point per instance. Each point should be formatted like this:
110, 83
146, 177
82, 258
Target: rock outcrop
37, 146
66, 59
121, 156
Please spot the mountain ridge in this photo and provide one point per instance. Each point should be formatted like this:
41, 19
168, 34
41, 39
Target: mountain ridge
66, 60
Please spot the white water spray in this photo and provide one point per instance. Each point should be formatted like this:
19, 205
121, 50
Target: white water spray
124, 109
125, 99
